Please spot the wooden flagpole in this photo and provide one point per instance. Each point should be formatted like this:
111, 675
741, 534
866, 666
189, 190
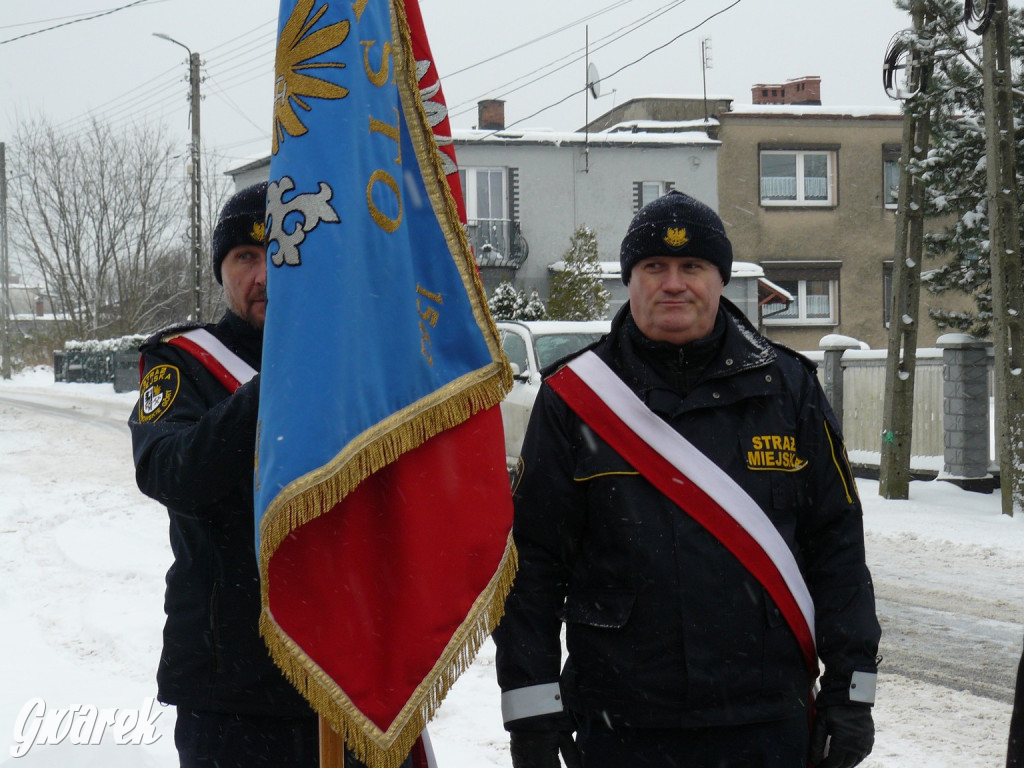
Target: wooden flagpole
332, 746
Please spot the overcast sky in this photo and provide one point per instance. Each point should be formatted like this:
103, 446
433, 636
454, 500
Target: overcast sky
528, 52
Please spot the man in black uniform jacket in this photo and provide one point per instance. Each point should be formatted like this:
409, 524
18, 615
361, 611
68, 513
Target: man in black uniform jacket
683, 650
194, 437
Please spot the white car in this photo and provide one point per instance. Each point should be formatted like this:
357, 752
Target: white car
530, 347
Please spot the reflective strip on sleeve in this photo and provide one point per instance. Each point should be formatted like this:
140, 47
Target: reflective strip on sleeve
862, 687
531, 701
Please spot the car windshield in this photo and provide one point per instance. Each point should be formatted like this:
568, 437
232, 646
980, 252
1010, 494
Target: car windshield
554, 346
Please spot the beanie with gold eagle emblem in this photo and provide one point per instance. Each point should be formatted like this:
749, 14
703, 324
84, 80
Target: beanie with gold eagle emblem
241, 222
676, 225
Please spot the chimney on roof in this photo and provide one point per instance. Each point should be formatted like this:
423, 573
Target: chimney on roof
801, 90
490, 115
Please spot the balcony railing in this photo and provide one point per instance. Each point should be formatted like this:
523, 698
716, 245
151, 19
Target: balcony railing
497, 242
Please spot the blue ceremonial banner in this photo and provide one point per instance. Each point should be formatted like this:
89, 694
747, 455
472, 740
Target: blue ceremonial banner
382, 503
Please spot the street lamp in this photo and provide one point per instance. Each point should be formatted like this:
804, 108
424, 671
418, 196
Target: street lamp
196, 188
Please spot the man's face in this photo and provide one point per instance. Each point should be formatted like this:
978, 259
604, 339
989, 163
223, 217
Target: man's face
675, 298
244, 274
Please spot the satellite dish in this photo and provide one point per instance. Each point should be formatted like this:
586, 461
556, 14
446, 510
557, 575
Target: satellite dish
593, 81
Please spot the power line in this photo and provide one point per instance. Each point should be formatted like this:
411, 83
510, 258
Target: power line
159, 92
570, 58
76, 21
545, 36
618, 71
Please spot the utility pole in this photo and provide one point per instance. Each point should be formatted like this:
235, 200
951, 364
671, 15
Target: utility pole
195, 177
1005, 258
196, 188
5, 366
901, 360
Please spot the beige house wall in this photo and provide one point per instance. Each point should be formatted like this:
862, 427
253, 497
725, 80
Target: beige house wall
858, 230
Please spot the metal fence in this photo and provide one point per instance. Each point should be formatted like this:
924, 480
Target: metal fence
119, 368
864, 396
939, 397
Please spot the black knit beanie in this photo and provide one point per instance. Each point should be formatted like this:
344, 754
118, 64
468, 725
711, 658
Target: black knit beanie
676, 225
241, 222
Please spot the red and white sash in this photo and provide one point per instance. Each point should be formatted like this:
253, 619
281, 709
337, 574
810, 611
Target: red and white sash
679, 470
229, 369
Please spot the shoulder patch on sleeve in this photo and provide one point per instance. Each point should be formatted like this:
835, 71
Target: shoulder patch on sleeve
157, 391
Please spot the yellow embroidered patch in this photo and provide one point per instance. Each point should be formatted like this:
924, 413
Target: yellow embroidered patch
676, 237
259, 231
157, 391
774, 452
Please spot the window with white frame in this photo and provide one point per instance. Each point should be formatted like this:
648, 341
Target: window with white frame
485, 193
890, 176
815, 290
488, 220
797, 177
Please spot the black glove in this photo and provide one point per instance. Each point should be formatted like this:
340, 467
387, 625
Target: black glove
539, 749
843, 735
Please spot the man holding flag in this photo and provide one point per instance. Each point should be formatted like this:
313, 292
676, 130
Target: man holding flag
193, 436
687, 511
383, 512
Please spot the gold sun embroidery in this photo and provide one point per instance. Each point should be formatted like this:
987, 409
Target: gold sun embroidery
298, 44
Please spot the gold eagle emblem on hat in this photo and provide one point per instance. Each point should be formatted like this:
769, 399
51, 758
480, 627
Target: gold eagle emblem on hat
259, 231
675, 237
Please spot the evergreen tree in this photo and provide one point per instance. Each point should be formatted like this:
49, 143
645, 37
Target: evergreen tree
577, 292
533, 309
506, 304
954, 171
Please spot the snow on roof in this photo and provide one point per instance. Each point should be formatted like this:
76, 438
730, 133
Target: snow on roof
661, 126
746, 269
534, 136
776, 288
818, 110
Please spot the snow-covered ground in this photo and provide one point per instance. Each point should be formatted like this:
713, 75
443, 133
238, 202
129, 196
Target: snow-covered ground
83, 555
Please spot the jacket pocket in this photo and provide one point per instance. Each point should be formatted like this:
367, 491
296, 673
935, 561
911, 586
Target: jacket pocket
598, 460
601, 644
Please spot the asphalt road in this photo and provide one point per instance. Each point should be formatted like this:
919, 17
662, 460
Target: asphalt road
939, 625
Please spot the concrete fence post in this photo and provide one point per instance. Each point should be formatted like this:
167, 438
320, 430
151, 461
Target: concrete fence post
834, 346
965, 410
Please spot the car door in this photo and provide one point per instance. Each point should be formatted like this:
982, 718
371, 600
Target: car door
515, 408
